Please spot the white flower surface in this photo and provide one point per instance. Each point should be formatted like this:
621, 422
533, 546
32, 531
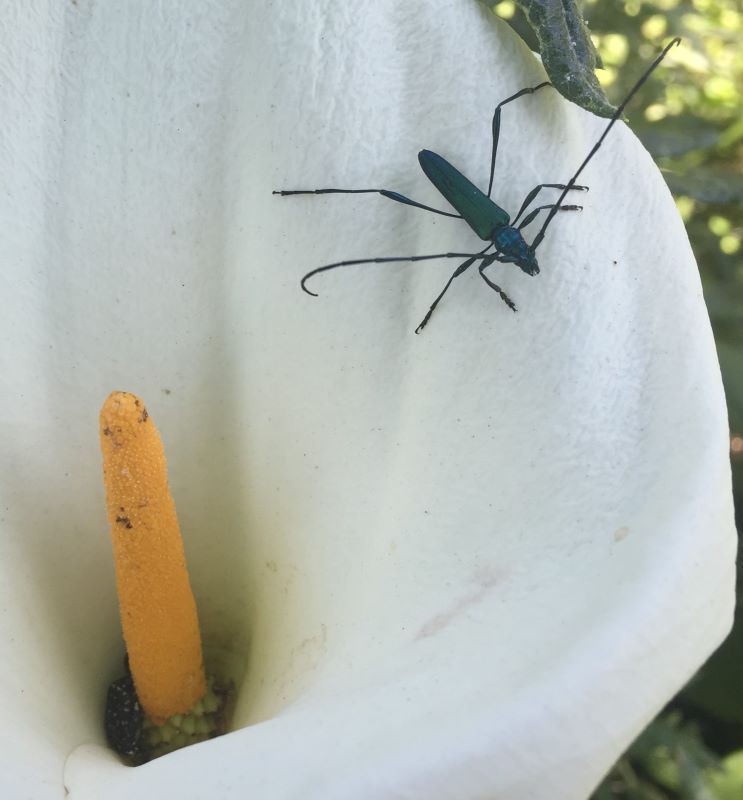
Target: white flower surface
465, 565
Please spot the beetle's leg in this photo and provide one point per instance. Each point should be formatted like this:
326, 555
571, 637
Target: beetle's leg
535, 191
533, 213
503, 296
457, 272
388, 193
465, 265
496, 125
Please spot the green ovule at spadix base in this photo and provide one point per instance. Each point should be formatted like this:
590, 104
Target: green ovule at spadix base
505, 242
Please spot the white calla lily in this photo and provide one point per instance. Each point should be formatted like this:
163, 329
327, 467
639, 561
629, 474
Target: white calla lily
467, 564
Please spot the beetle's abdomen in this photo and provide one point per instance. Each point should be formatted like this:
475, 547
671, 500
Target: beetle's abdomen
477, 209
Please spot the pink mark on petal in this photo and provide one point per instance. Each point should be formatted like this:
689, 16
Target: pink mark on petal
485, 579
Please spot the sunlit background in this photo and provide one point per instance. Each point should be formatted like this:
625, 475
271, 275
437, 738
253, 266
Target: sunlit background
690, 117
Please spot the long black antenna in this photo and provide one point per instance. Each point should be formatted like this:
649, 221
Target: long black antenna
617, 114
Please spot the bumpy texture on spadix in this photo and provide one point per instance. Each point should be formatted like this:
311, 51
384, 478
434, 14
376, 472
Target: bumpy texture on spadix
158, 611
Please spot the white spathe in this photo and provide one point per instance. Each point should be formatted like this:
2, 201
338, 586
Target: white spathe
468, 565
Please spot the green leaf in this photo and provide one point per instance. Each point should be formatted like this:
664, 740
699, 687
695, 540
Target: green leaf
567, 51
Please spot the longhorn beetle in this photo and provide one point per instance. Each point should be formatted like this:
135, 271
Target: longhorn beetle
488, 220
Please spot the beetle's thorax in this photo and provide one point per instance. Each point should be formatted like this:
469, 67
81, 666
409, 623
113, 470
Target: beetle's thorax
511, 244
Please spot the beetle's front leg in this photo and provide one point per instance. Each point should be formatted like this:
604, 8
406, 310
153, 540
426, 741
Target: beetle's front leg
535, 191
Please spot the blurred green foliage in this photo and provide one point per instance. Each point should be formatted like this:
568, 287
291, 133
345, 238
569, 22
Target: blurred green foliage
668, 760
690, 117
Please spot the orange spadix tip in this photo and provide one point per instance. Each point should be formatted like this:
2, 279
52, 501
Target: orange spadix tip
158, 612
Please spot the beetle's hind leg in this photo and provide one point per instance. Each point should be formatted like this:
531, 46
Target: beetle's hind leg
388, 193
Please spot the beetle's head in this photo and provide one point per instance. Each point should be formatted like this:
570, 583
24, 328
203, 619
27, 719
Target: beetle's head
528, 261
511, 244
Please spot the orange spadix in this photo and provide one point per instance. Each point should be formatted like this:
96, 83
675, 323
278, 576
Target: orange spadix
158, 611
